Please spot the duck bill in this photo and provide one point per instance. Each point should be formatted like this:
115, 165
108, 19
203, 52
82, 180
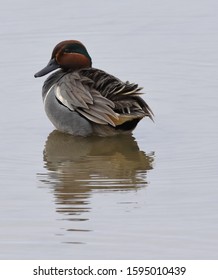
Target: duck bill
52, 65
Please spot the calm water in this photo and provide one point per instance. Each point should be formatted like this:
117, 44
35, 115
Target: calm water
152, 195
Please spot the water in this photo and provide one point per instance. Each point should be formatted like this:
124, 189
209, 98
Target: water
152, 195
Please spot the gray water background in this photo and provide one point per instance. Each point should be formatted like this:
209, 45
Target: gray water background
149, 196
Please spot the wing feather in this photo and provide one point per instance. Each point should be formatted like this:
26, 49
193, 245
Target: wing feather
78, 94
101, 98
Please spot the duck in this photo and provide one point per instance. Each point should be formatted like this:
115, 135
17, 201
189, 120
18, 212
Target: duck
81, 100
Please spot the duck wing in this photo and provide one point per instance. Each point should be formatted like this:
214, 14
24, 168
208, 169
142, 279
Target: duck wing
125, 96
100, 97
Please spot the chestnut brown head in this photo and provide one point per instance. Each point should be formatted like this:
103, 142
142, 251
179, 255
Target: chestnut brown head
67, 55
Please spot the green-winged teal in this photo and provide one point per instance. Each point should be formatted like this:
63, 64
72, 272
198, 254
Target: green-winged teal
82, 100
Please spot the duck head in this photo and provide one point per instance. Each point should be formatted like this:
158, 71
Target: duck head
67, 55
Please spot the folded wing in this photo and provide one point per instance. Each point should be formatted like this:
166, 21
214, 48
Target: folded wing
101, 98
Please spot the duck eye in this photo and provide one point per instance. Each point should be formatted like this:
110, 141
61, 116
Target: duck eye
68, 50
76, 48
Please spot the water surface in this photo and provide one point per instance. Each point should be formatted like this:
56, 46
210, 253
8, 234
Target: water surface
150, 195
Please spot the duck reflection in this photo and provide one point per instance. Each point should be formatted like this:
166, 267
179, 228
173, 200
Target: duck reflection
78, 166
